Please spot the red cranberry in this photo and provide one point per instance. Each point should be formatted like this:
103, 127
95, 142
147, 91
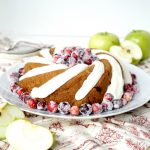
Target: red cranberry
96, 108
19, 92
74, 55
74, 110
68, 51
32, 103
55, 58
88, 62
52, 106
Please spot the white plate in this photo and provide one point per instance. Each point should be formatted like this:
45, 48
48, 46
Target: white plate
139, 99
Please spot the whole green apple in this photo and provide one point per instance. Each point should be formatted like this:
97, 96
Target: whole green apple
103, 40
142, 38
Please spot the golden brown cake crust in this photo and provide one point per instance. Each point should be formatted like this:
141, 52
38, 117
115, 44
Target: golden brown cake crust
68, 90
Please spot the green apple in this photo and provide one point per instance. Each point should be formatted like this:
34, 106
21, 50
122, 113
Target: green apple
23, 135
128, 51
8, 114
142, 38
103, 40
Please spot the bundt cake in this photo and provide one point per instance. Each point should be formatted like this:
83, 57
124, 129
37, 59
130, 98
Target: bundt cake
76, 80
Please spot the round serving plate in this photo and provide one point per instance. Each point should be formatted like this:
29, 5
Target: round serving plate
140, 98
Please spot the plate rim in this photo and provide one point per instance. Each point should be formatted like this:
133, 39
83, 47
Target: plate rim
55, 115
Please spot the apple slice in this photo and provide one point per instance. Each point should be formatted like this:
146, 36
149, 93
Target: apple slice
2, 132
15, 112
128, 51
23, 135
2, 105
8, 114
5, 118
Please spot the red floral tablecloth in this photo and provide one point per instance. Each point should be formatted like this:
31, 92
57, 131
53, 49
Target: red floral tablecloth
129, 131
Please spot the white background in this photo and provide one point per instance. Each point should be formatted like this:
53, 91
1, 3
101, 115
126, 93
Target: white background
82, 18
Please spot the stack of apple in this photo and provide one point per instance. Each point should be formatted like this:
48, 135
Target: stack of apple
20, 133
133, 49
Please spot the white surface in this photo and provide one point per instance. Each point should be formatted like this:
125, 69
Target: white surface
139, 99
73, 17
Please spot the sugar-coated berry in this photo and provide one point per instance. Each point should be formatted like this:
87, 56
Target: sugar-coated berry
108, 105
71, 56
32, 103
21, 71
14, 77
96, 108
74, 110
85, 109
64, 108
117, 103
52, 106
127, 96
128, 88
108, 96
41, 106
14, 87
104, 106
25, 97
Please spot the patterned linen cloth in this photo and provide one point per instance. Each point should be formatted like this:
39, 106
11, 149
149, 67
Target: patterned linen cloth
128, 131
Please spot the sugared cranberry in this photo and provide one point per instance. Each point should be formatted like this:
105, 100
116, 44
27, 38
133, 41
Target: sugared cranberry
41, 106
21, 71
128, 88
32, 103
109, 96
86, 109
25, 97
14, 87
88, 51
96, 108
66, 57
74, 110
107, 105
14, 77
117, 103
64, 108
104, 106
52, 106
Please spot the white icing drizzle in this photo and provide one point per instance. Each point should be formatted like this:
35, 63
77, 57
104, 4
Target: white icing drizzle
56, 82
91, 80
46, 53
117, 82
126, 72
41, 70
37, 59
